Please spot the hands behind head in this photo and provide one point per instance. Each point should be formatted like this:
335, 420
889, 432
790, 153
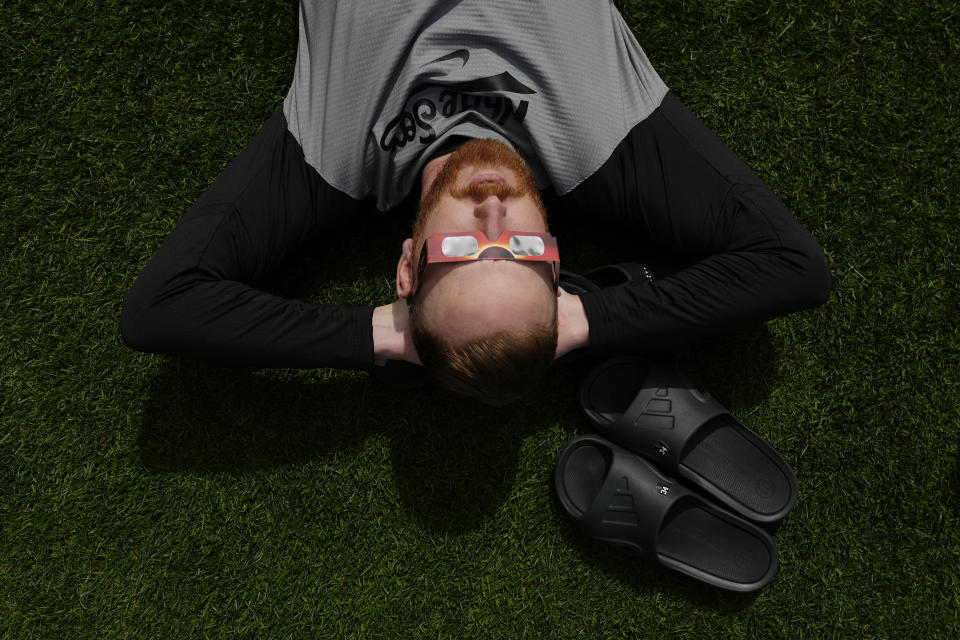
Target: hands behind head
392, 341
391, 333
573, 328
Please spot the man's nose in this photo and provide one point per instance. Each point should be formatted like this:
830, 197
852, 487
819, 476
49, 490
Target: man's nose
492, 213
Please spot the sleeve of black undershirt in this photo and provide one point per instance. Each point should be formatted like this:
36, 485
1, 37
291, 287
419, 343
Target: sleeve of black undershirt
198, 297
742, 257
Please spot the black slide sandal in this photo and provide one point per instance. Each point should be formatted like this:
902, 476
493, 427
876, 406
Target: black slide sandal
610, 275
617, 497
575, 283
649, 407
614, 275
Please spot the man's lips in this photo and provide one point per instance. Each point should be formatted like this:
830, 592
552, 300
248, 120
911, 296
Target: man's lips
488, 176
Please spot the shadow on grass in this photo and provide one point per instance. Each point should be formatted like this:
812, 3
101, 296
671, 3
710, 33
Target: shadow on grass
454, 461
204, 419
738, 370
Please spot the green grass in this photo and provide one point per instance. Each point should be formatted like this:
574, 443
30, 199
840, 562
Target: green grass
149, 497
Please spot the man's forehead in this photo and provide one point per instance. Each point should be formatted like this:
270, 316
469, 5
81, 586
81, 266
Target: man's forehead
501, 279
467, 299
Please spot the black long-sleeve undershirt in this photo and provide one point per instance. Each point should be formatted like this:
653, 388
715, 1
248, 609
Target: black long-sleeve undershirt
671, 183
198, 297
679, 190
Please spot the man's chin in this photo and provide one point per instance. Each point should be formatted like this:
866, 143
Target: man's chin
480, 155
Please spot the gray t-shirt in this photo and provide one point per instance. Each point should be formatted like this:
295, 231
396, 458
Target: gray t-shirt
379, 86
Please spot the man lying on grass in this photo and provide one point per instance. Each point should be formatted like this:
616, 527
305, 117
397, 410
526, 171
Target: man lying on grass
483, 106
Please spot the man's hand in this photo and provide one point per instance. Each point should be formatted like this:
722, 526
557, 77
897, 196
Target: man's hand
573, 328
391, 334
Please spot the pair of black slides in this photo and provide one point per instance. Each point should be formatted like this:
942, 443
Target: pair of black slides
670, 474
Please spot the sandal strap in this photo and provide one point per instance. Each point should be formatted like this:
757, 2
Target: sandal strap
632, 503
664, 414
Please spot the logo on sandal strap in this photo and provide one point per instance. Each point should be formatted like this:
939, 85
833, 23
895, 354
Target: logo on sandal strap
662, 448
657, 413
663, 489
621, 510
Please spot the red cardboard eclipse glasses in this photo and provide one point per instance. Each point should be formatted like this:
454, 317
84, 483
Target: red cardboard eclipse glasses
465, 246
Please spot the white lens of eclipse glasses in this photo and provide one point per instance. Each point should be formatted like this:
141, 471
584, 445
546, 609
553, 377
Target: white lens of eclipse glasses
527, 246
459, 246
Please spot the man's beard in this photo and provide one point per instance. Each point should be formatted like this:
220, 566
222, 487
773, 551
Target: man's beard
483, 154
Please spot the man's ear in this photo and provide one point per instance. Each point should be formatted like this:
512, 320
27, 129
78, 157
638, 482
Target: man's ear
405, 269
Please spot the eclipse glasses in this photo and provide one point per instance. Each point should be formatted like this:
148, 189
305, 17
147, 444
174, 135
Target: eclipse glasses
465, 246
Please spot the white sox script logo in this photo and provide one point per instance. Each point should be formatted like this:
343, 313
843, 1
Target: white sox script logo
439, 99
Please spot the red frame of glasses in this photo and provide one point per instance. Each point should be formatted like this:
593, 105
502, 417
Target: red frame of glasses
433, 254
